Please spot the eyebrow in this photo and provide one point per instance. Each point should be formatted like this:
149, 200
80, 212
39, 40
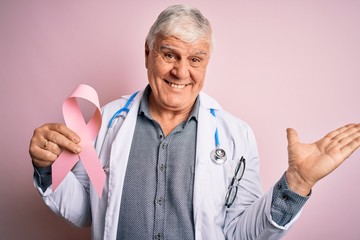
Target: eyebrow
169, 47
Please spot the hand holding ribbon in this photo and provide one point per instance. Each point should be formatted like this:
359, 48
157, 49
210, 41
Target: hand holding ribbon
87, 131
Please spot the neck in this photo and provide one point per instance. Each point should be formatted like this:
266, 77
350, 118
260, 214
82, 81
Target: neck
168, 118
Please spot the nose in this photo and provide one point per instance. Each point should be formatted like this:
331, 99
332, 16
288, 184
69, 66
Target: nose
181, 69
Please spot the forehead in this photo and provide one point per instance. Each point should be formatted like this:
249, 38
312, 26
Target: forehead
175, 44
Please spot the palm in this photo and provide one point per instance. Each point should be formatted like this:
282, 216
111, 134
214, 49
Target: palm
314, 161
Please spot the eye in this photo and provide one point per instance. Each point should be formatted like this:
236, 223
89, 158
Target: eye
169, 56
195, 61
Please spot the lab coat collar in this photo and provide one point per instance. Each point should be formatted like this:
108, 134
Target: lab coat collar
208, 102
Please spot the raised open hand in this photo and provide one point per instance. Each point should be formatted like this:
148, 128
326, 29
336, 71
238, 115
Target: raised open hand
308, 163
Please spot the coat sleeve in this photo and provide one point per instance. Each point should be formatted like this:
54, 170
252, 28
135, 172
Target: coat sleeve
71, 198
250, 215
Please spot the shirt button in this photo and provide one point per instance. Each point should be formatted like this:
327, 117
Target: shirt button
162, 167
158, 236
279, 186
163, 146
159, 201
284, 197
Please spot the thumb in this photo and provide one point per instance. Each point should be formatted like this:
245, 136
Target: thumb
292, 136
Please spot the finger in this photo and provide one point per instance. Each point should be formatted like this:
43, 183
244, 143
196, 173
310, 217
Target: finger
53, 147
292, 136
351, 147
346, 131
62, 141
51, 130
64, 130
41, 157
344, 136
350, 144
340, 130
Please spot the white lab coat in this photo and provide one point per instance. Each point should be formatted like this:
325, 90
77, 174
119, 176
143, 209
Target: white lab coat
248, 218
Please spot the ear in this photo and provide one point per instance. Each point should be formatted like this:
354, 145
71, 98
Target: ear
147, 52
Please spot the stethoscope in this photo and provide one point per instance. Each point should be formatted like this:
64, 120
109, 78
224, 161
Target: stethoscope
218, 155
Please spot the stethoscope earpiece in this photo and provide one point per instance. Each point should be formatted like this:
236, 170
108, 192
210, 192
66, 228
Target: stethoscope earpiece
218, 155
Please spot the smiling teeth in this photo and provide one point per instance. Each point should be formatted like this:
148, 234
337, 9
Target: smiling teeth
176, 85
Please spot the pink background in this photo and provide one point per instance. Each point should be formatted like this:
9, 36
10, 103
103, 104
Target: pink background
276, 64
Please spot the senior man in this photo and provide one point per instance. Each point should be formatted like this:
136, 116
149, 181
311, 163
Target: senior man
163, 180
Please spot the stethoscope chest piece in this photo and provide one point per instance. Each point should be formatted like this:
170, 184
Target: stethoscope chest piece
218, 156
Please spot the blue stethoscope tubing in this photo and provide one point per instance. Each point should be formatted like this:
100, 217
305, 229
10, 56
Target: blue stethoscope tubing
217, 141
121, 110
218, 155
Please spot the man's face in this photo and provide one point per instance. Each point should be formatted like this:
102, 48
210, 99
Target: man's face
176, 72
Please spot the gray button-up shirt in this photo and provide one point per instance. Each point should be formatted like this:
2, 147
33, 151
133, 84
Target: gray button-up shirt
158, 188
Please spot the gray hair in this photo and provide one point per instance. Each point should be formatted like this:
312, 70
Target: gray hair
182, 21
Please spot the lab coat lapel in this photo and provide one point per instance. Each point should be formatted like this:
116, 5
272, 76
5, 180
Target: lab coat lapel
119, 156
202, 184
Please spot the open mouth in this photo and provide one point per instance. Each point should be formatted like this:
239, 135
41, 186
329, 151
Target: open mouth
177, 86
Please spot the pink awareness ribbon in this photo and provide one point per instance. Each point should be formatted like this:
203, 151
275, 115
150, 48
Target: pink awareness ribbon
87, 131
